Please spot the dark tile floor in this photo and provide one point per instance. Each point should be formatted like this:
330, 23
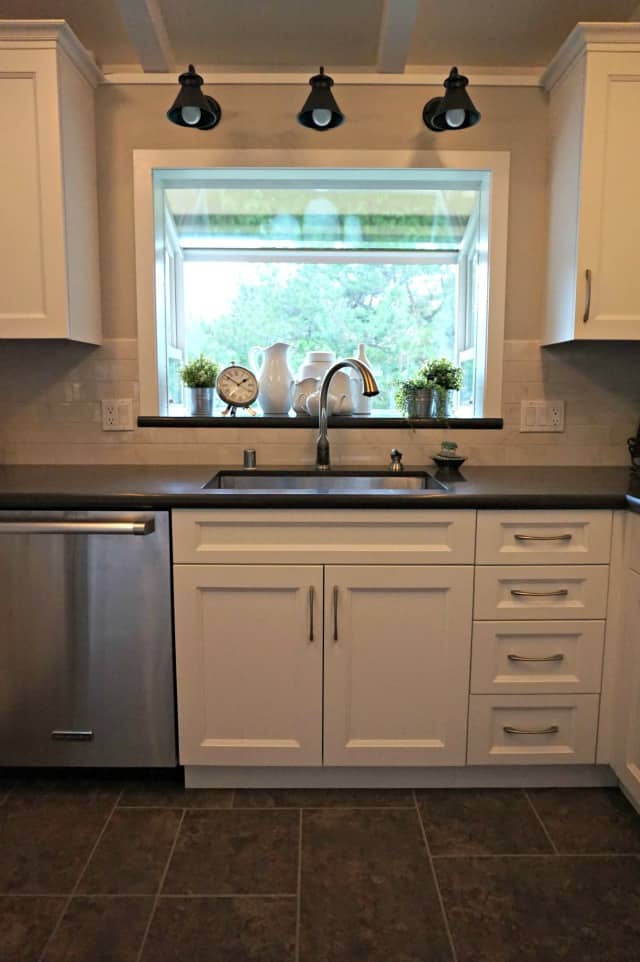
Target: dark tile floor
96, 869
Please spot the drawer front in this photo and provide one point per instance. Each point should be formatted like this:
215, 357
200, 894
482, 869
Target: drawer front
537, 657
323, 536
519, 593
543, 537
536, 730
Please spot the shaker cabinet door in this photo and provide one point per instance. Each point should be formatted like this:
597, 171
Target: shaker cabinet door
249, 664
397, 652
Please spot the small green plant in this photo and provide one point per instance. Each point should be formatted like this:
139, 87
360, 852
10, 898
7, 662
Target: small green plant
406, 392
200, 372
444, 374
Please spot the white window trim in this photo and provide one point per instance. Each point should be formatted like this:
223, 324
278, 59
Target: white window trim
146, 161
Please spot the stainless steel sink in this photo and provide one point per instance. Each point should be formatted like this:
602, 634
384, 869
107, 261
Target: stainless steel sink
334, 480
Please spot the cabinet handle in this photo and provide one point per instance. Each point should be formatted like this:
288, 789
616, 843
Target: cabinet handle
557, 657
335, 613
587, 303
543, 537
551, 730
312, 599
558, 593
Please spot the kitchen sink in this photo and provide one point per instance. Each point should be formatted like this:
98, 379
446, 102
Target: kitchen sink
334, 480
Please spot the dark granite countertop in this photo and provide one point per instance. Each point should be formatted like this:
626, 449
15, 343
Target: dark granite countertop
166, 486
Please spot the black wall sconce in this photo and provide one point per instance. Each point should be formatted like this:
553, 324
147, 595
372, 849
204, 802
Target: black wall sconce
320, 111
455, 110
192, 108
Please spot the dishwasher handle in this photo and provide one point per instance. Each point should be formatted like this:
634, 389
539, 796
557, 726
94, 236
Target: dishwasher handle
78, 527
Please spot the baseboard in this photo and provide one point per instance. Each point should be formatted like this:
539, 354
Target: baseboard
520, 776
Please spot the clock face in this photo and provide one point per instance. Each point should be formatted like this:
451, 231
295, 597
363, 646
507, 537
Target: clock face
237, 386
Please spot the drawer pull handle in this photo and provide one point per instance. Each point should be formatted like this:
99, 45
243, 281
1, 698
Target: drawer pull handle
557, 593
557, 657
551, 730
72, 735
312, 598
543, 537
335, 614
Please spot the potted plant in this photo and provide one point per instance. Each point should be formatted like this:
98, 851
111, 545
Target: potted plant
444, 378
199, 377
413, 396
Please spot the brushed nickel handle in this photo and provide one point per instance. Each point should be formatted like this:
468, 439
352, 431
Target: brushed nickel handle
557, 657
335, 613
587, 303
312, 598
557, 593
543, 537
551, 730
77, 527
71, 735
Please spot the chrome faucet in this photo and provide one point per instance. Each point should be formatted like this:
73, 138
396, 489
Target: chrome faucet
369, 389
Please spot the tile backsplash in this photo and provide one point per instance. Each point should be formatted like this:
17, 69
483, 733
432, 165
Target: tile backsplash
51, 393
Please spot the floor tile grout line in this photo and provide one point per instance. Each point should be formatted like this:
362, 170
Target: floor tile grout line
272, 808
299, 891
540, 821
551, 855
70, 896
160, 884
454, 954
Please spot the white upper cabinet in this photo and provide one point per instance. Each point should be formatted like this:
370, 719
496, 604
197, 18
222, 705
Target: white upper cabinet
49, 272
593, 278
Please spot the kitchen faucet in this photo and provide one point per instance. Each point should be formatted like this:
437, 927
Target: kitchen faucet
369, 389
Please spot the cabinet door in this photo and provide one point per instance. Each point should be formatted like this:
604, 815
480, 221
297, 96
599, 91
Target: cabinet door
249, 664
397, 647
627, 757
610, 200
32, 264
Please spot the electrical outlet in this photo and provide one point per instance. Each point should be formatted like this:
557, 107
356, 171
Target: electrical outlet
542, 416
117, 414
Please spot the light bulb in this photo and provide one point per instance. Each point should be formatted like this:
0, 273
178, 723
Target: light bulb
191, 115
321, 116
455, 117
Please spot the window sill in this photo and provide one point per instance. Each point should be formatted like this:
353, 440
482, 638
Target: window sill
386, 421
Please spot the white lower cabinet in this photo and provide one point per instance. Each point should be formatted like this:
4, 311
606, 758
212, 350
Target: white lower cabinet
397, 641
626, 763
249, 664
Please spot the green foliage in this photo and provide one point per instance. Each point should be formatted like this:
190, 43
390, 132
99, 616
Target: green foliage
402, 312
444, 374
405, 394
201, 372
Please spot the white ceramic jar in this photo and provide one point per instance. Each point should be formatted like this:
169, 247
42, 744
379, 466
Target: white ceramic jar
316, 364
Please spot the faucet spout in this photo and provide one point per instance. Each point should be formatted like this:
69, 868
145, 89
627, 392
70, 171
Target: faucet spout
369, 389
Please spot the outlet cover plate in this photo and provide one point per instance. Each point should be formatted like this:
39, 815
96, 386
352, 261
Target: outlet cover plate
541, 416
117, 414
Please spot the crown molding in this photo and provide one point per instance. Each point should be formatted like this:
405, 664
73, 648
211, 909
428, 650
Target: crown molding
50, 35
591, 37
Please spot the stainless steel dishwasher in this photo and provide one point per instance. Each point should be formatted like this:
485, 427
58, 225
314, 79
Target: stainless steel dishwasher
86, 652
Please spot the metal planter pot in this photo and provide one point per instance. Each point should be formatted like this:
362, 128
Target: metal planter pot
442, 405
423, 401
200, 401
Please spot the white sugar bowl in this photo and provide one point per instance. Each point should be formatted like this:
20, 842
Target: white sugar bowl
301, 391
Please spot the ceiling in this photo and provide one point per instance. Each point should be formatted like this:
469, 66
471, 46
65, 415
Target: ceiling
358, 35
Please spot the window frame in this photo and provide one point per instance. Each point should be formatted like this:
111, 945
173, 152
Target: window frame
149, 248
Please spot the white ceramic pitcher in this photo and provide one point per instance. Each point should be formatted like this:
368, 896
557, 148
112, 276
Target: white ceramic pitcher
275, 379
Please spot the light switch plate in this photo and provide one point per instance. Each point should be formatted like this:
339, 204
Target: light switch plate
117, 414
541, 416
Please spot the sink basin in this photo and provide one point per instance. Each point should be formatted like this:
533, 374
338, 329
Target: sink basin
336, 480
